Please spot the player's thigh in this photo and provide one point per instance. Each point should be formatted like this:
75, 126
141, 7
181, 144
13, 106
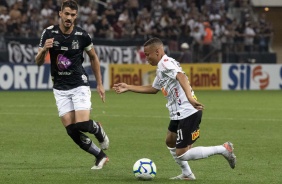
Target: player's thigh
63, 101
81, 98
172, 133
68, 118
189, 130
82, 115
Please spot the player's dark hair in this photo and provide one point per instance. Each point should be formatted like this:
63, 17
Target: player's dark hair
153, 41
72, 4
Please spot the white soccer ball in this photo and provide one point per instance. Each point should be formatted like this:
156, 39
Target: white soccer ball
144, 169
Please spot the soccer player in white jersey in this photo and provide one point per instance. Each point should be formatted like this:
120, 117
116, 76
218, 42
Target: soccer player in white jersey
66, 43
184, 110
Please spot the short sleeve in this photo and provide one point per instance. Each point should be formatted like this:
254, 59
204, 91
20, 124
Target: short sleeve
156, 84
171, 68
88, 42
43, 38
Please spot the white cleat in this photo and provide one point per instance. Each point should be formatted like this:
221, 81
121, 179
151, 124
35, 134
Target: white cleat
105, 144
229, 154
184, 177
100, 163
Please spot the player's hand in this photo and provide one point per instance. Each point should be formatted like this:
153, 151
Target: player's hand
197, 105
120, 87
48, 43
101, 91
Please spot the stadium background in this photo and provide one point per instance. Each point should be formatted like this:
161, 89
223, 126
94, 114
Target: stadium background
244, 36
36, 149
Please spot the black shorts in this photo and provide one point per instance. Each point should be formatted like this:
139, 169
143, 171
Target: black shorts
187, 129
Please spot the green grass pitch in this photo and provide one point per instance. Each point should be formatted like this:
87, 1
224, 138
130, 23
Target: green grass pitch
35, 149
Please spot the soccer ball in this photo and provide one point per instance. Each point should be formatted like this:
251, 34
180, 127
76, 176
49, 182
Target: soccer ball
144, 169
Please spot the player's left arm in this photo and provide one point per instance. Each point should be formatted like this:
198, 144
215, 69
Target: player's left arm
185, 84
95, 64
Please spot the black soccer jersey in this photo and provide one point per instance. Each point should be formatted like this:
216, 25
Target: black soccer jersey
67, 56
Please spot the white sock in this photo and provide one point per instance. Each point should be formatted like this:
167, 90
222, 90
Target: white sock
201, 152
186, 170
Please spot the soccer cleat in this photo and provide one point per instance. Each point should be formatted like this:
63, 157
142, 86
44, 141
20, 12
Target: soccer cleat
100, 163
105, 144
184, 177
229, 154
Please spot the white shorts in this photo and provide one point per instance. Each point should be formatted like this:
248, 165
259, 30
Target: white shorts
74, 99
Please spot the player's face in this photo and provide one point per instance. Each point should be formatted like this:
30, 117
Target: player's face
68, 17
151, 53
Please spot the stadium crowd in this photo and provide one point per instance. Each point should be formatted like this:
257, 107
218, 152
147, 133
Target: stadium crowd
207, 26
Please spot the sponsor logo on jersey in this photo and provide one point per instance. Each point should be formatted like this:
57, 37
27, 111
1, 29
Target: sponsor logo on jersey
75, 44
63, 62
64, 48
78, 33
55, 31
195, 134
84, 78
56, 43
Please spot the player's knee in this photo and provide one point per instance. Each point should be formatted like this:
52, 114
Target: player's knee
181, 151
82, 140
170, 143
83, 126
71, 130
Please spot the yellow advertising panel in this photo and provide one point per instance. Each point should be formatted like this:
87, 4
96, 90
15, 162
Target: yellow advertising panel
131, 74
203, 76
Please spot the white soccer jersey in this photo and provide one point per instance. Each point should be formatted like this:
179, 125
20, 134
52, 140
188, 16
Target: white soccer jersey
178, 105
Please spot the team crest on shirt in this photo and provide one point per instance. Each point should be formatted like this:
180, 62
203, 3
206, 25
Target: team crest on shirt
75, 44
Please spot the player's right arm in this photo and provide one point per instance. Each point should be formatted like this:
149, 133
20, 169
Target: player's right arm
42, 51
123, 87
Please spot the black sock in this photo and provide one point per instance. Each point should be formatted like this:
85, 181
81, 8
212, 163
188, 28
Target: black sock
82, 140
88, 126
91, 127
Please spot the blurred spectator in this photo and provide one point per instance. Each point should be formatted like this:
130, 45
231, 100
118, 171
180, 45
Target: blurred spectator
197, 43
118, 28
139, 29
85, 11
249, 35
111, 14
133, 8
172, 34
175, 21
89, 27
239, 37
207, 42
105, 30
186, 55
25, 28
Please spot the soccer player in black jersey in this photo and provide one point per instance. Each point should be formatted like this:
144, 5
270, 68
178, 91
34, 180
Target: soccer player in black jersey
66, 43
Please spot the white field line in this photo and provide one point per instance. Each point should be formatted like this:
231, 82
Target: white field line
142, 116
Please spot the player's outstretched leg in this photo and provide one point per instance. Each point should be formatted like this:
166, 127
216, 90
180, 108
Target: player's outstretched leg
229, 154
85, 143
96, 129
201, 152
186, 170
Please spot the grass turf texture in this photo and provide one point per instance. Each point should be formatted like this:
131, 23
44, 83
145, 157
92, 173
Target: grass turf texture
34, 146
